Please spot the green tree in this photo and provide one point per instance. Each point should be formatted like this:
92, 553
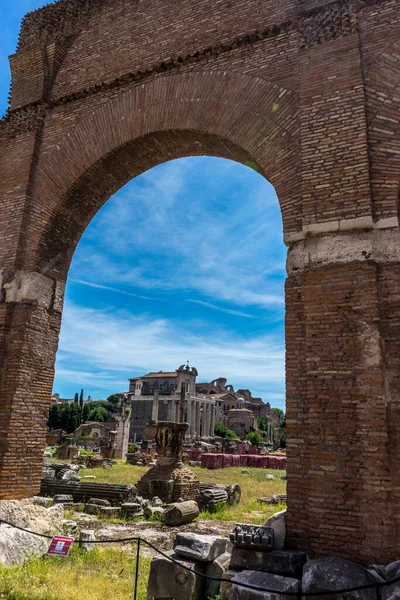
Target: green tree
75, 417
282, 441
98, 413
113, 399
262, 424
76, 399
70, 417
221, 430
54, 418
81, 399
85, 412
254, 437
281, 416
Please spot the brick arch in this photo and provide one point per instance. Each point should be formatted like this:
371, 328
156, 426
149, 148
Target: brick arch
206, 113
91, 88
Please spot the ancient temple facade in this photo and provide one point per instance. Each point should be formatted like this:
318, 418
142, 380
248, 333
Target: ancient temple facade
170, 396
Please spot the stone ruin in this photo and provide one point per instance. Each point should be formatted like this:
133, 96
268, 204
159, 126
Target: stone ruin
208, 566
169, 479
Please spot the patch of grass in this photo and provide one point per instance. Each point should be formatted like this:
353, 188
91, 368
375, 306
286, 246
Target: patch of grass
100, 574
254, 485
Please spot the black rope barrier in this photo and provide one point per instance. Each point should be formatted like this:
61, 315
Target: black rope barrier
377, 585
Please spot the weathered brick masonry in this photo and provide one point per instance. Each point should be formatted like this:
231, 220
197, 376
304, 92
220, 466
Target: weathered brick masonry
307, 91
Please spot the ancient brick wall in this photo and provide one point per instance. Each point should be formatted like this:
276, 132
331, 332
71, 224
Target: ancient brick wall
304, 91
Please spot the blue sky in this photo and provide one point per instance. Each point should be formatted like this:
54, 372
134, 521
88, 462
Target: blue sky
186, 262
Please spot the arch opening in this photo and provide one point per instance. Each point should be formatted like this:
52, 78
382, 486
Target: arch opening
190, 234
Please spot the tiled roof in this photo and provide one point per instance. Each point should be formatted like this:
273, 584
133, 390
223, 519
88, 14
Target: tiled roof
155, 375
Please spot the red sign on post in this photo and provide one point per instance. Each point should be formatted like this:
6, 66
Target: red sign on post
60, 546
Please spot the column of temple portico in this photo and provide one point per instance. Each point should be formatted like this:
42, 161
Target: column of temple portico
189, 417
193, 420
198, 420
213, 409
177, 411
207, 419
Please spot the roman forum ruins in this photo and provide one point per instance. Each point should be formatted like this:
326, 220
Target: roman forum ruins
305, 92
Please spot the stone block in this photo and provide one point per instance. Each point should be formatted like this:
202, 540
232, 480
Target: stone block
63, 499
226, 584
17, 546
43, 501
278, 523
91, 509
169, 580
279, 562
264, 581
204, 548
99, 502
70, 528
393, 570
253, 537
87, 535
216, 569
131, 509
111, 512
324, 575
154, 512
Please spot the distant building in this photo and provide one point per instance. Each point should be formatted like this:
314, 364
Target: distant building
175, 396
239, 410
240, 420
56, 400
170, 396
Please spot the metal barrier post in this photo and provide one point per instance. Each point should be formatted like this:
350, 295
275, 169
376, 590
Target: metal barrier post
378, 592
137, 569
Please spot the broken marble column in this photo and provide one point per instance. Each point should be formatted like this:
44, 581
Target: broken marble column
180, 513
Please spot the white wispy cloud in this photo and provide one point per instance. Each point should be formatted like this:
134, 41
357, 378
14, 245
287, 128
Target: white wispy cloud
112, 343
163, 232
109, 288
229, 311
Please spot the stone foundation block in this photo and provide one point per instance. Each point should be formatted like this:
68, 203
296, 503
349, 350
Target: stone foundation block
204, 548
169, 580
216, 569
226, 584
264, 581
278, 562
324, 575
